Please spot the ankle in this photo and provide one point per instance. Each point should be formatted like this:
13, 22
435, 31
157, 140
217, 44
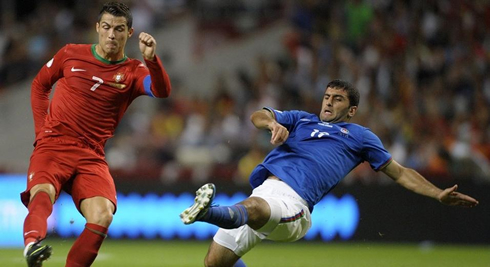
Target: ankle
28, 246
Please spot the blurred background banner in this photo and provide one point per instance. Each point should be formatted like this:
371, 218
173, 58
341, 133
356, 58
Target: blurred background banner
422, 68
351, 213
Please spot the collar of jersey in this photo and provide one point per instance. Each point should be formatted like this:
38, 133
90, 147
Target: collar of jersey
105, 60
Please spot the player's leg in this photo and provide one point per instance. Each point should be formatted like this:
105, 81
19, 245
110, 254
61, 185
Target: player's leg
229, 245
98, 212
253, 211
40, 207
49, 168
94, 194
237, 234
290, 216
289, 220
219, 255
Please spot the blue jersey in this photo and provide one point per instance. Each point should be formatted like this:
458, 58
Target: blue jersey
317, 155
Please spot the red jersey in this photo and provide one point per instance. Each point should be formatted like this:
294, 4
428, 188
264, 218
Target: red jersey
91, 93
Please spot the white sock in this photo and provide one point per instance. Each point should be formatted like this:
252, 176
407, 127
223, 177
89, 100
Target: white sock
27, 248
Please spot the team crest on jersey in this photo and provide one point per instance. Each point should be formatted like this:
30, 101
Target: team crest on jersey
119, 77
344, 132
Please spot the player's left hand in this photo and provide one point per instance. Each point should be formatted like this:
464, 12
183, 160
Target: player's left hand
450, 197
148, 45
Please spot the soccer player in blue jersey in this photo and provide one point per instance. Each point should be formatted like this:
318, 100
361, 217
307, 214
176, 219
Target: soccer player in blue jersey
314, 153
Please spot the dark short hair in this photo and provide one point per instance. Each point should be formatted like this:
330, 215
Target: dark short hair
352, 92
117, 10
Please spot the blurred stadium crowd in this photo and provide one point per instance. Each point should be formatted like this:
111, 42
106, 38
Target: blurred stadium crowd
422, 68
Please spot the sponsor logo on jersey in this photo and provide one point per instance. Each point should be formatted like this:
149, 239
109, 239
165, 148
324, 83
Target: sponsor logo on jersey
117, 85
326, 124
73, 69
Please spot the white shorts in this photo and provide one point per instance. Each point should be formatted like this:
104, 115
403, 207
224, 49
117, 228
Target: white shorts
290, 219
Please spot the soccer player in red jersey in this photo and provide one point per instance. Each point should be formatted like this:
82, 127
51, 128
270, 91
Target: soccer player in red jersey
95, 83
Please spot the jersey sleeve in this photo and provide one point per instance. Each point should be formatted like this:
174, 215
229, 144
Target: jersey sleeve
41, 87
287, 118
374, 151
154, 80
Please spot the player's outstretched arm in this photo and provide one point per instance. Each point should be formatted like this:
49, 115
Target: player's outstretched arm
415, 182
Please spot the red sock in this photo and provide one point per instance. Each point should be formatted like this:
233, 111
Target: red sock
86, 247
36, 222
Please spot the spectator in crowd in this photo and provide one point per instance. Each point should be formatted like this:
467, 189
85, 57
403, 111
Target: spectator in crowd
417, 63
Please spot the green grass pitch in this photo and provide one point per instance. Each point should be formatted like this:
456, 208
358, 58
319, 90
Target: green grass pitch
302, 253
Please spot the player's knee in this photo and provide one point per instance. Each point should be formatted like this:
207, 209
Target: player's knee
45, 188
210, 261
258, 211
213, 257
207, 261
257, 205
106, 218
219, 256
102, 217
98, 211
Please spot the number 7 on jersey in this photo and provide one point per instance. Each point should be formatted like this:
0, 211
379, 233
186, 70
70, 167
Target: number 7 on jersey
99, 82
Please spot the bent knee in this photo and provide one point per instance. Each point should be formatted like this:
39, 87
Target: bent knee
103, 218
98, 211
256, 205
258, 210
46, 188
210, 261
218, 256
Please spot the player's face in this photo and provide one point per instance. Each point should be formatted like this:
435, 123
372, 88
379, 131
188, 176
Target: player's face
336, 106
113, 35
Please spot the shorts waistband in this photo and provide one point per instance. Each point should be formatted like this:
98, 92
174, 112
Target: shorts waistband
289, 192
81, 142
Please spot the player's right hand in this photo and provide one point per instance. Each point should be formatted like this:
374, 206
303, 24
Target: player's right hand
147, 45
279, 133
